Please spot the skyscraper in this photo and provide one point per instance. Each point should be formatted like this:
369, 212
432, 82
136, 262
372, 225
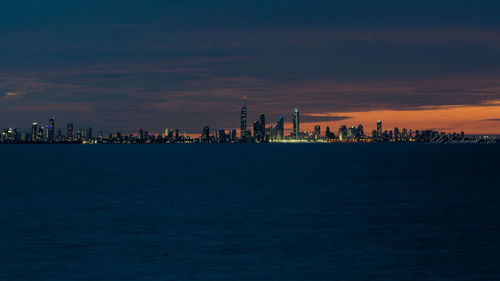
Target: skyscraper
222, 136
361, 132
205, 135
280, 128
262, 120
343, 132
379, 128
296, 124
52, 134
243, 118
89, 134
232, 135
317, 131
396, 134
34, 132
69, 131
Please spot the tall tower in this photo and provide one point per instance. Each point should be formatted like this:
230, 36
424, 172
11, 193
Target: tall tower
34, 131
296, 124
89, 134
243, 118
52, 134
205, 135
69, 131
379, 128
280, 128
262, 121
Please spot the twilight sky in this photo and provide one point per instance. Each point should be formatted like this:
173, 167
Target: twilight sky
120, 65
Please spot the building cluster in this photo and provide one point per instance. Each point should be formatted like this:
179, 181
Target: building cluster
260, 132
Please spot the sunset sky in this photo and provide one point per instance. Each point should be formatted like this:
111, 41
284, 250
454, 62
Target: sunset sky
120, 65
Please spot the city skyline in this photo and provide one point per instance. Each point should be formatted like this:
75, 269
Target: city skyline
260, 132
288, 123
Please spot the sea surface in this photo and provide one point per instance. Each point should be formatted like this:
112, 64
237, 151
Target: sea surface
250, 212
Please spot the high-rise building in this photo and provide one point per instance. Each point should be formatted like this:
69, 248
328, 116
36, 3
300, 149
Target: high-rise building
256, 130
343, 132
41, 134
396, 134
280, 129
243, 119
222, 135
352, 133
296, 124
232, 135
51, 132
317, 131
69, 131
361, 132
79, 134
89, 134
262, 120
205, 135
379, 128
34, 131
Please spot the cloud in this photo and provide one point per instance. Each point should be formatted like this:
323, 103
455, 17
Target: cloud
321, 118
487, 120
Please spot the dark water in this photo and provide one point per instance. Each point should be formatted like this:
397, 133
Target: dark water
250, 212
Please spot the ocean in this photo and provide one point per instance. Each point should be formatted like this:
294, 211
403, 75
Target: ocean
386, 211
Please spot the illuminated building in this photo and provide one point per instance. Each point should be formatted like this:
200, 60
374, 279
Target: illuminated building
379, 128
41, 134
222, 135
343, 132
51, 132
361, 132
262, 119
317, 131
280, 129
397, 136
243, 119
205, 135
79, 135
69, 131
351, 133
89, 134
232, 135
296, 124
34, 132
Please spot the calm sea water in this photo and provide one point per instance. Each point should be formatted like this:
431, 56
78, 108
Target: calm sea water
250, 212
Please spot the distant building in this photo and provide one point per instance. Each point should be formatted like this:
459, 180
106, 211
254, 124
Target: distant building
379, 128
232, 135
79, 135
89, 134
34, 132
69, 131
296, 124
243, 119
317, 132
51, 132
280, 129
205, 135
361, 132
343, 132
